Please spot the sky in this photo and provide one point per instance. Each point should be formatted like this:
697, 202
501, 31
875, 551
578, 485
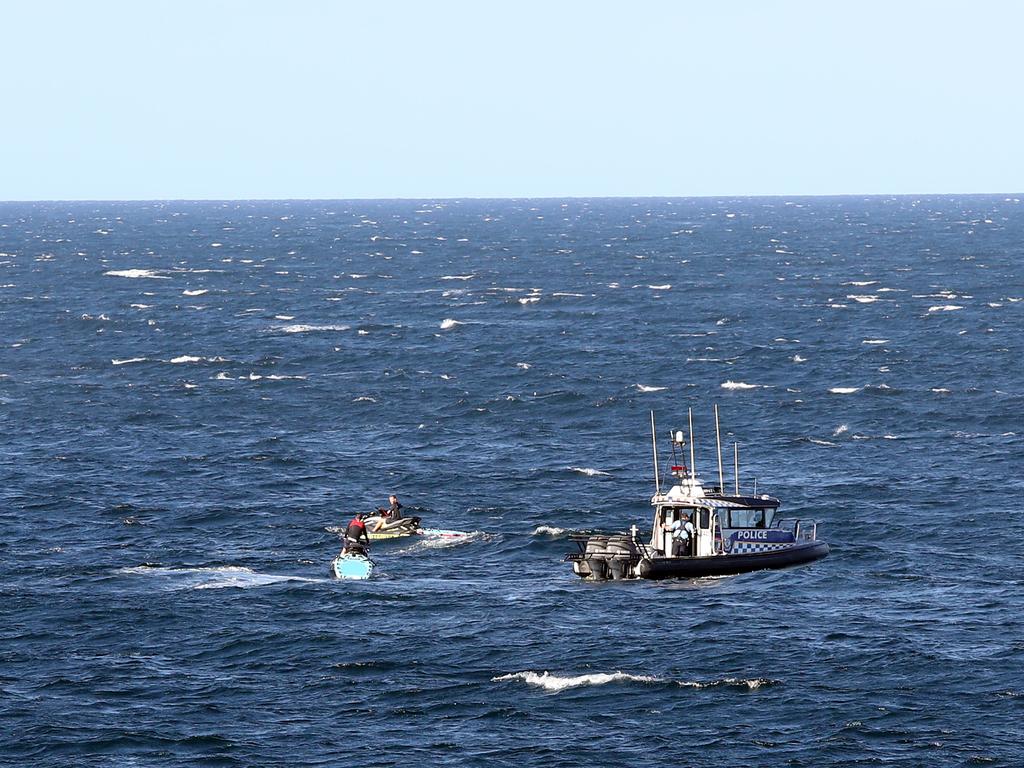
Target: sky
246, 99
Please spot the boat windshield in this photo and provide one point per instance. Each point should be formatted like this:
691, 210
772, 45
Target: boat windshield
750, 517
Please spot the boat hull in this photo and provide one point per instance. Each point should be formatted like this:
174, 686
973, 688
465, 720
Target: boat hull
730, 565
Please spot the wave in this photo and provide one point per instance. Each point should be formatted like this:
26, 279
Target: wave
197, 292
136, 273
447, 324
945, 308
590, 472
861, 283
556, 683
739, 385
875, 341
129, 360
821, 442
863, 299
302, 328
844, 390
798, 359
665, 287
644, 388
549, 530
219, 577
523, 366
528, 300
457, 277
185, 359
839, 430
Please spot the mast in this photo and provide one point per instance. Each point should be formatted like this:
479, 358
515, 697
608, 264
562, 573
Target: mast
693, 466
736, 467
718, 441
654, 443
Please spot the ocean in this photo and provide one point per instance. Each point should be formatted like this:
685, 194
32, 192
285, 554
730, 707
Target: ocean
195, 395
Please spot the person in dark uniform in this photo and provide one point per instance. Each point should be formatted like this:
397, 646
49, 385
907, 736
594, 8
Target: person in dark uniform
356, 537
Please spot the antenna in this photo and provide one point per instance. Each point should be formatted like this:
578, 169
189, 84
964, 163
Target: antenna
736, 469
718, 441
654, 442
693, 464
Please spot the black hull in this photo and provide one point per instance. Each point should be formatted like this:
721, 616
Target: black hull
730, 565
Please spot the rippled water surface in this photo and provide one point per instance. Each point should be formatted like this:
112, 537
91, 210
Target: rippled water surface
193, 394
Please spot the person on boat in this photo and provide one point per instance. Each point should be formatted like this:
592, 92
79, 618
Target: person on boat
356, 536
682, 534
390, 517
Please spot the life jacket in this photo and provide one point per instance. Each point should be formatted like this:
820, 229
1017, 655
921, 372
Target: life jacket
356, 528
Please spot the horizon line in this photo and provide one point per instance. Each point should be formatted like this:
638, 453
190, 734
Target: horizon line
509, 197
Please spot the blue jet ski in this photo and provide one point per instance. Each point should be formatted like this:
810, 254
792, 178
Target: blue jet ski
353, 563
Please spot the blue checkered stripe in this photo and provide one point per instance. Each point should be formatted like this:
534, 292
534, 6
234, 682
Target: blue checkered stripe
749, 547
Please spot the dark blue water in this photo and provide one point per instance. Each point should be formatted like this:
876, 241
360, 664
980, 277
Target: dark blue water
191, 394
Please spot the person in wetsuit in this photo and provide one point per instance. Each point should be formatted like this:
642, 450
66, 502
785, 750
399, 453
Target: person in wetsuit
395, 510
356, 536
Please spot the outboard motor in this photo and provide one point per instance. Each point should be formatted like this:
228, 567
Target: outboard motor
595, 557
621, 550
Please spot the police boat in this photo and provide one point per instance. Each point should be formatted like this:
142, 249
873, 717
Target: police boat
698, 531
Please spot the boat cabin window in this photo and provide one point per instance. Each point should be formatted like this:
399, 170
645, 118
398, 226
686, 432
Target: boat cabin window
749, 518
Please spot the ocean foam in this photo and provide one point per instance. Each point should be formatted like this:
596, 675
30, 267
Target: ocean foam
738, 385
945, 308
212, 578
556, 683
665, 287
548, 530
136, 273
300, 328
839, 430
798, 359
129, 360
186, 359
863, 299
457, 277
844, 390
644, 388
447, 324
590, 472
875, 341
523, 366
197, 292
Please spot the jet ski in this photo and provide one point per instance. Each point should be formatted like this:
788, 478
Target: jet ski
353, 563
405, 526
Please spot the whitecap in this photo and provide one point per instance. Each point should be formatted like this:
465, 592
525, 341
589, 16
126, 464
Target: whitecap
945, 308
141, 306
940, 390
222, 376
301, 328
839, 430
457, 277
448, 324
548, 530
185, 359
738, 385
197, 292
523, 366
364, 399
821, 442
665, 287
129, 360
844, 390
644, 388
136, 273
528, 300
861, 283
559, 683
863, 299
875, 341
798, 359
590, 472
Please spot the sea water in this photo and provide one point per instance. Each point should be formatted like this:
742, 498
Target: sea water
195, 394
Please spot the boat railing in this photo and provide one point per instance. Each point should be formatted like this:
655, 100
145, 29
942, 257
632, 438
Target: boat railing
803, 529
